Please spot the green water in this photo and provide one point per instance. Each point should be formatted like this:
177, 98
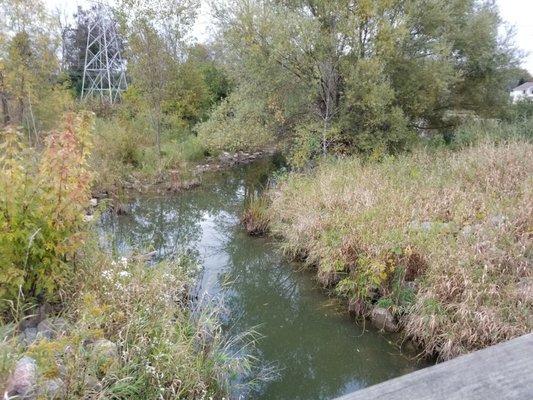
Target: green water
320, 352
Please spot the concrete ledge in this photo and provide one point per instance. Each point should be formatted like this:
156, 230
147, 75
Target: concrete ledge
501, 372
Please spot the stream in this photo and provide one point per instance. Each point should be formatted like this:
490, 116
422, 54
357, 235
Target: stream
319, 351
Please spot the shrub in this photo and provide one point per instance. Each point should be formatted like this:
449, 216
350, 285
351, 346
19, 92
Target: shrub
117, 151
192, 149
235, 125
477, 130
42, 201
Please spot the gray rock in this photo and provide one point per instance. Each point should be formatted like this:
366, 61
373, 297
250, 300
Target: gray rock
467, 230
225, 157
382, 319
22, 383
498, 220
104, 348
52, 327
93, 384
32, 320
28, 336
93, 202
53, 389
190, 184
426, 226
417, 226
524, 288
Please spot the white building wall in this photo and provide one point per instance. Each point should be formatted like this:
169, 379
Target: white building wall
517, 95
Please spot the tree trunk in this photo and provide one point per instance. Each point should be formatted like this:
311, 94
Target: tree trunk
329, 90
158, 134
3, 100
5, 108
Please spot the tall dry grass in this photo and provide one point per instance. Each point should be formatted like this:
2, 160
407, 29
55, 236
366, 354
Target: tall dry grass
442, 238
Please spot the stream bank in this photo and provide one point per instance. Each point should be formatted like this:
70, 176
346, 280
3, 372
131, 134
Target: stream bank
317, 349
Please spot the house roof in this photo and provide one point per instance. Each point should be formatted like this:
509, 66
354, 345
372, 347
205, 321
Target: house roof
524, 86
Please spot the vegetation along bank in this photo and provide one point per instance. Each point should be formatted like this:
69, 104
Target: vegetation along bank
436, 243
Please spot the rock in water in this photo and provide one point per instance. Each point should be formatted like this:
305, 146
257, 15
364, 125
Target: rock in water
382, 319
23, 382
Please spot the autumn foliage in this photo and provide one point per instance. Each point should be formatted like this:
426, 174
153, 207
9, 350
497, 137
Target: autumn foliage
42, 201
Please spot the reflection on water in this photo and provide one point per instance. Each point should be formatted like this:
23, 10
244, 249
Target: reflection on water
321, 353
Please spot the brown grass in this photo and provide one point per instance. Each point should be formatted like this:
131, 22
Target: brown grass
255, 218
457, 223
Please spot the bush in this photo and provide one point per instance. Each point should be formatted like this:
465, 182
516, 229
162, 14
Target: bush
166, 349
192, 149
235, 125
478, 130
42, 201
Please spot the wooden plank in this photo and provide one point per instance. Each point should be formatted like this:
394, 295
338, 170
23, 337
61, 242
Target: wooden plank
504, 371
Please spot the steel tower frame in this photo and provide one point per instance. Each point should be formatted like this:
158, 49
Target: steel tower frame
104, 71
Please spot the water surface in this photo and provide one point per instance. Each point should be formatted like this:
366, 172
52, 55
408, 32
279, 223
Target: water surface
321, 353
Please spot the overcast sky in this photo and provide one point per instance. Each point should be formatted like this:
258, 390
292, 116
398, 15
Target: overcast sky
518, 13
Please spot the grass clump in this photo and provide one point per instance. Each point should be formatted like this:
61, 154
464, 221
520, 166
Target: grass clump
441, 238
255, 216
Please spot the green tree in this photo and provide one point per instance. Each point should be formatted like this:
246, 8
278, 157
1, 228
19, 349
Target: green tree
29, 67
360, 76
155, 32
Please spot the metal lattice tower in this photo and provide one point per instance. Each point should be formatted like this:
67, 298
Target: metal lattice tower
104, 72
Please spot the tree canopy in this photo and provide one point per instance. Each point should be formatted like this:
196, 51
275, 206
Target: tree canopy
364, 75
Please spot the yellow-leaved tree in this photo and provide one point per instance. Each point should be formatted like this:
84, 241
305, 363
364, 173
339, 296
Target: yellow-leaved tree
42, 202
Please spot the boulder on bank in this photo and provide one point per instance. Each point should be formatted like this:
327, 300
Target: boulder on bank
28, 336
383, 319
23, 381
31, 321
190, 184
52, 389
50, 328
104, 351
